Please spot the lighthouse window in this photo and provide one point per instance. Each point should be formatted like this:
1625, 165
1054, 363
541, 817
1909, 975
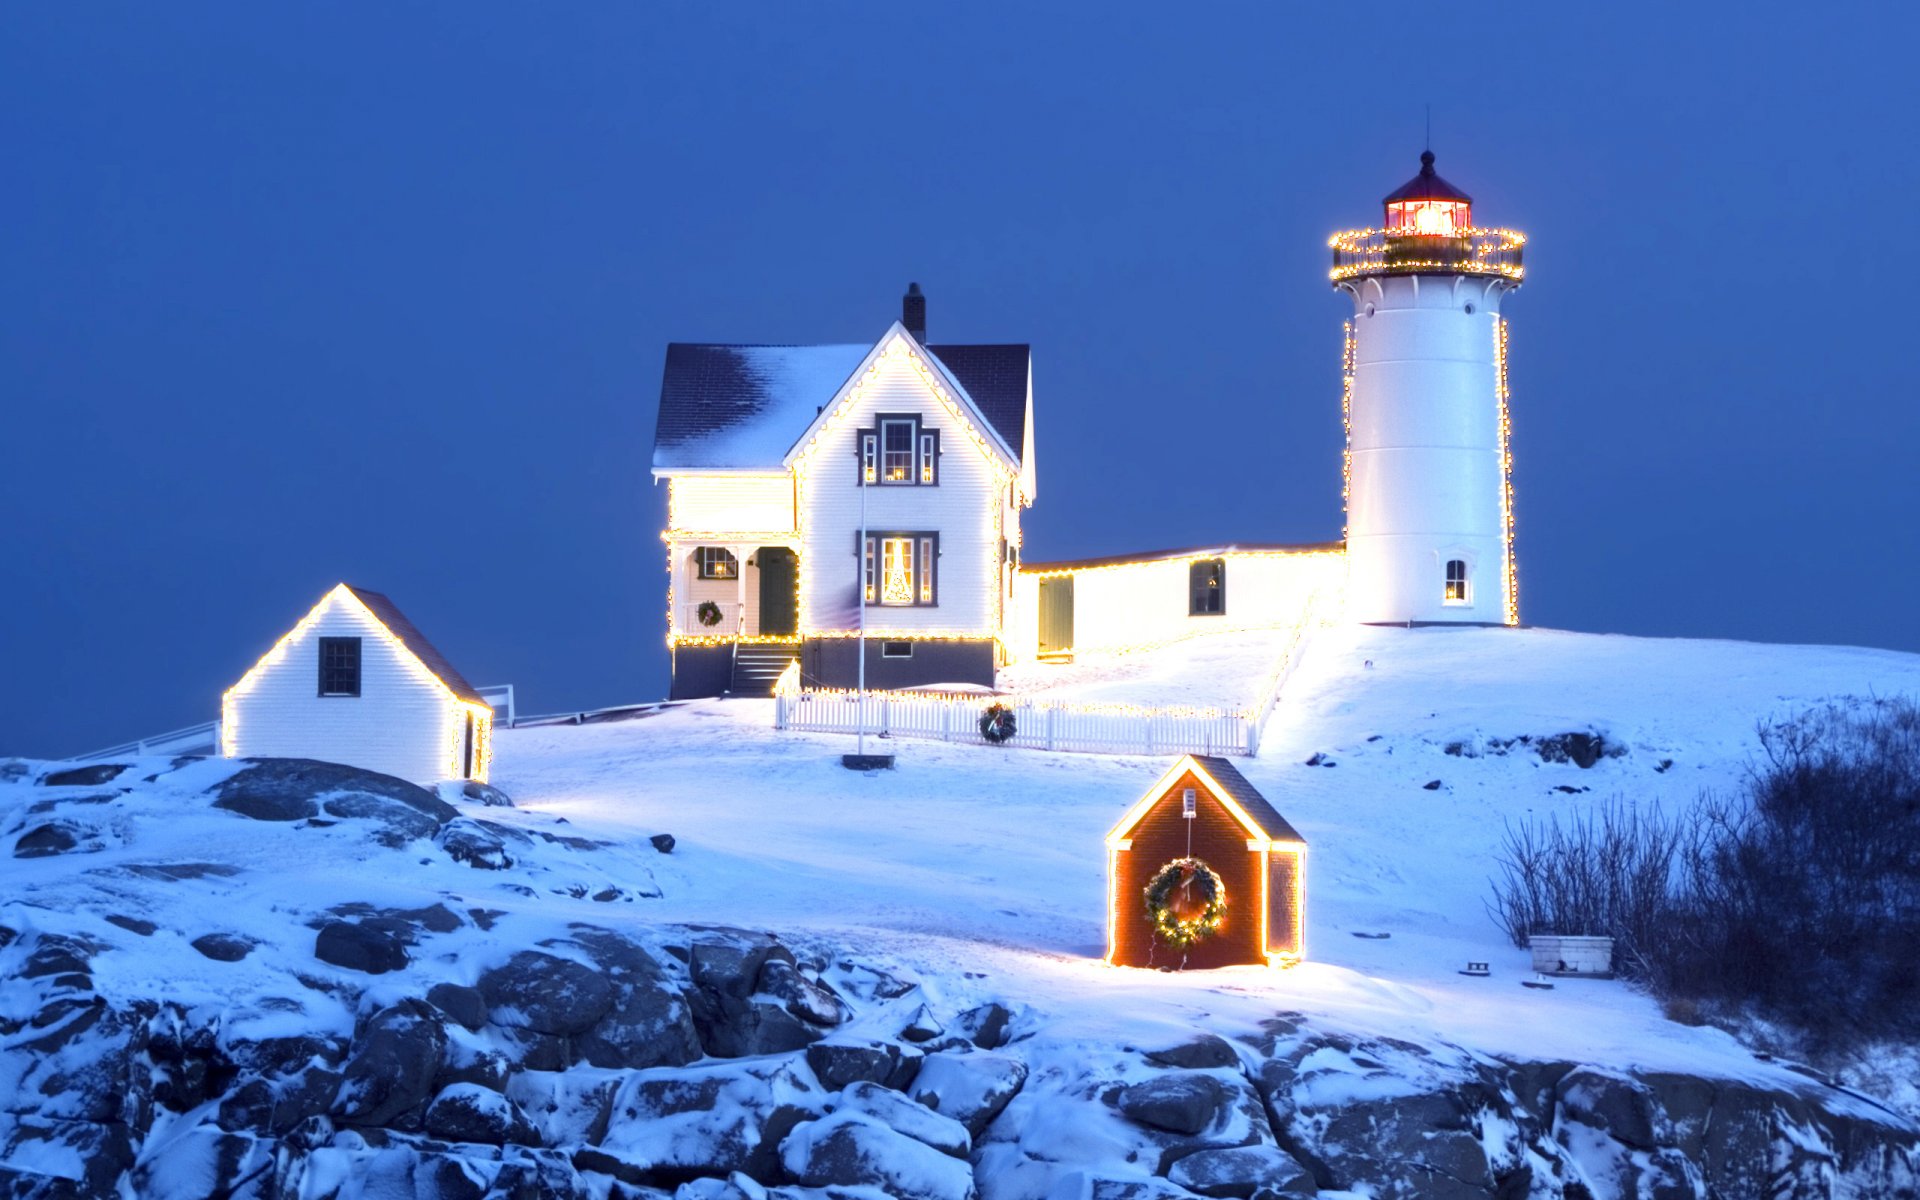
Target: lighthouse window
1207, 588
1456, 581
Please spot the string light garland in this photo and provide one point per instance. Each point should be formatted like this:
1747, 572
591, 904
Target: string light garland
457, 713
1187, 902
1509, 567
1347, 360
1468, 251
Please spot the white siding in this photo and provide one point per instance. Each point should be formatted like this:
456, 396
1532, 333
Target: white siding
1137, 604
962, 507
403, 723
730, 503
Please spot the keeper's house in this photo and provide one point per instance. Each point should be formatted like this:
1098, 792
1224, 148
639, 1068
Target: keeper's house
771, 455
1259, 858
354, 682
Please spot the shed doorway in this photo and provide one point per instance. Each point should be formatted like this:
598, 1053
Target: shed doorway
1056, 616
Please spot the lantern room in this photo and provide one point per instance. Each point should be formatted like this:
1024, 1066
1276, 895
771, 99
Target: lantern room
1428, 206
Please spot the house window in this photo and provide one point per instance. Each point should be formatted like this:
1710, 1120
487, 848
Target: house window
1207, 588
896, 649
898, 569
717, 562
898, 452
1457, 592
339, 666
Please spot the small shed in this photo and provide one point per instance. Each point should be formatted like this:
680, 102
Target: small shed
355, 682
1203, 872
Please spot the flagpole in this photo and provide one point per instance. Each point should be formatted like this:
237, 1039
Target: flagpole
860, 591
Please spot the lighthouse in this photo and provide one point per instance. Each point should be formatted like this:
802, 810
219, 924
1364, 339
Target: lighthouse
1428, 472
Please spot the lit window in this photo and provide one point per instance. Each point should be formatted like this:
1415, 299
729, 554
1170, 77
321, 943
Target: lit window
717, 562
339, 666
1207, 587
1457, 592
898, 569
897, 452
1429, 218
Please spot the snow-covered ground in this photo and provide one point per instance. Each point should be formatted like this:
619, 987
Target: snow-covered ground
1227, 671
982, 869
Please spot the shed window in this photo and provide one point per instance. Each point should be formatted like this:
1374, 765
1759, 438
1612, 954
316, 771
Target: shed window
717, 562
1207, 587
1457, 592
898, 569
339, 666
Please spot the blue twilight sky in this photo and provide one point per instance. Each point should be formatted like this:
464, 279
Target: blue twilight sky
297, 293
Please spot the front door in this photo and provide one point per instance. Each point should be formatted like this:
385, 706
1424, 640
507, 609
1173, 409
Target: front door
779, 570
1056, 615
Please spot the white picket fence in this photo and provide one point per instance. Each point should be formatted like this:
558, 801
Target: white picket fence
1040, 724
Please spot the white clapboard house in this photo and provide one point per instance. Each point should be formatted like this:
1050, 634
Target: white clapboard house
770, 453
355, 682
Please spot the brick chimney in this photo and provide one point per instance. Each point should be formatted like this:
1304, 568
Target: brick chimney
913, 313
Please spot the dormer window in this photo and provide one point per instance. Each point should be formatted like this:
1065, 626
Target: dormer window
898, 452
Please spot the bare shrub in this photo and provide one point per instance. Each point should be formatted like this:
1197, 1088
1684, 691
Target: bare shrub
1797, 901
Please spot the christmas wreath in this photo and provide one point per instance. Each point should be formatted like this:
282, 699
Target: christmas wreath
997, 724
1187, 902
709, 613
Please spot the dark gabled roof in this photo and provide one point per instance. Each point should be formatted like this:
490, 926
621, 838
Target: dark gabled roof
389, 614
996, 379
1249, 798
744, 406
1426, 186
1215, 551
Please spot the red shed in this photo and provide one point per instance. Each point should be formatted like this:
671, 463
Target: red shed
1203, 834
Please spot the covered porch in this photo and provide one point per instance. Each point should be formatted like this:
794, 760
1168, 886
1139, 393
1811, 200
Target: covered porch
726, 590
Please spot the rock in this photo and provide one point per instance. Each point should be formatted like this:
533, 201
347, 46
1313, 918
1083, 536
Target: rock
466, 1112
286, 789
465, 1006
650, 1023
137, 925
1204, 1053
1431, 785
735, 1007
986, 1026
91, 775
389, 1077
54, 837
1614, 1105
849, 1149
839, 1064
81, 1159
223, 947
923, 1026
907, 1118
473, 1058
396, 821
546, 993
1241, 1171
476, 845
568, 1108
359, 948
1185, 1103
663, 842
485, 793
805, 999
207, 1161
709, 1119
970, 1088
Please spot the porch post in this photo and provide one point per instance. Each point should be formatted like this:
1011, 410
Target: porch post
740, 555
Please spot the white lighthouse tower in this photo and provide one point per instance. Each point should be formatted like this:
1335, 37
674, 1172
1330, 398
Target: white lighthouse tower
1429, 489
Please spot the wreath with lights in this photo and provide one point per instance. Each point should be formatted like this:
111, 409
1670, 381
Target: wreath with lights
709, 613
1187, 902
997, 724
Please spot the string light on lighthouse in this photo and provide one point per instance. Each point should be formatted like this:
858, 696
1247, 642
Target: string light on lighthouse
1509, 568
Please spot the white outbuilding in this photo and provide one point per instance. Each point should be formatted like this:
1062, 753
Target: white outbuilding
355, 683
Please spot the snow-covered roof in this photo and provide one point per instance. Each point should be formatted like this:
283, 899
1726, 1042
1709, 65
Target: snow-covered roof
743, 407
